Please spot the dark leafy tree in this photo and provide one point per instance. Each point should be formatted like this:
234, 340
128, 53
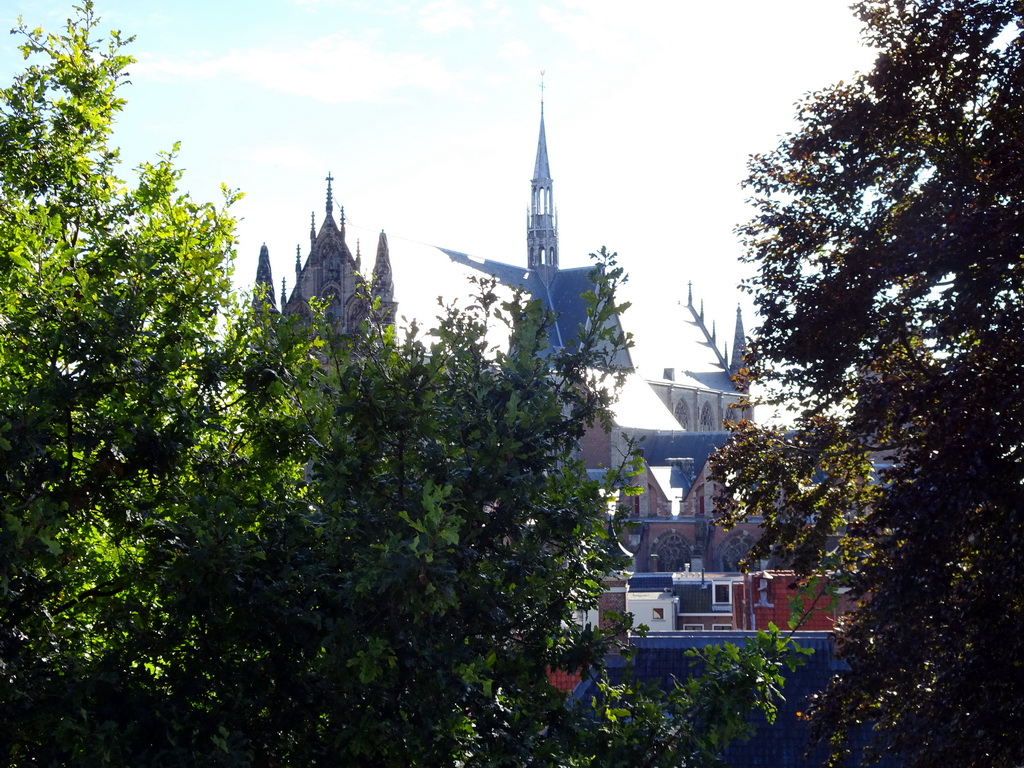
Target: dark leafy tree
231, 539
890, 284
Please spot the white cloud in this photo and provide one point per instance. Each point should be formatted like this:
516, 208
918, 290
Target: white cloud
332, 69
515, 49
591, 29
444, 15
290, 156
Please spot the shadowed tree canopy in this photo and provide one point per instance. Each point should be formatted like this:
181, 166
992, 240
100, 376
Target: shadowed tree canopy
889, 247
233, 539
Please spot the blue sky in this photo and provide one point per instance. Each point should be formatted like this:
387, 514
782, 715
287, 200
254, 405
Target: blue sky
426, 113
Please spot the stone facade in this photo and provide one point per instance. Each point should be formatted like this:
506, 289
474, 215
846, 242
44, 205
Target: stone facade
332, 275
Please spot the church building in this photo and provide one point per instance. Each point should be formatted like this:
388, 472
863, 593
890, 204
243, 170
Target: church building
676, 418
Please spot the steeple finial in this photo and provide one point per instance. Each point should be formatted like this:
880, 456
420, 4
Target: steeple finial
542, 223
689, 293
283, 294
343, 215
298, 261
330, 198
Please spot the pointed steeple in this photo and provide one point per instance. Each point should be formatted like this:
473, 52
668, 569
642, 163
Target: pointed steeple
383, 285
542, 221
283, 295
739, 343
264, 281
330, 196
541, 169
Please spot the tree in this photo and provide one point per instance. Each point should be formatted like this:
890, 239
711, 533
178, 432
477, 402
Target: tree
888, 245
236, 539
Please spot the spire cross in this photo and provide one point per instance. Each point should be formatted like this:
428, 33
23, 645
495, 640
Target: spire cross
542, 90
330, 201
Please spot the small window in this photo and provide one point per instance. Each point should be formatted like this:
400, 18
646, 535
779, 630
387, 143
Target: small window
721, 627
693, 627
723, 593
658, 613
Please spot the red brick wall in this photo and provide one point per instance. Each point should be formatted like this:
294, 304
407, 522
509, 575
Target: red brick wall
596, 447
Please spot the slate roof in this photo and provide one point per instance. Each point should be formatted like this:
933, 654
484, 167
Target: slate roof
661, 658
650, 582
563, 294
659, 447
424, 276
694, 598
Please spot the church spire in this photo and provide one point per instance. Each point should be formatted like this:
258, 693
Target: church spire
264, 281
739, 343
383, 287
330, 196
542, 222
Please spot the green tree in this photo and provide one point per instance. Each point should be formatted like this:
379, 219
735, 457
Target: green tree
231, 539
888, 245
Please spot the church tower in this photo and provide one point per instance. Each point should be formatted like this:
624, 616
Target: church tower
332, 275
542, 220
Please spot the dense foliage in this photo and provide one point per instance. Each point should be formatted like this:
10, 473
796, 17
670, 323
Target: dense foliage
888, 243
232, 539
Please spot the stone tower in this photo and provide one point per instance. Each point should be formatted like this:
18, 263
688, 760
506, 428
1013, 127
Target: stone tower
542, 219
333, 275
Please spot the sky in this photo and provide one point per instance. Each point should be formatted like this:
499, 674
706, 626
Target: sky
426, 113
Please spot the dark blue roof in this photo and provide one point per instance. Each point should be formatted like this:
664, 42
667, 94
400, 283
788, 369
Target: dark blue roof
659, 447
661, 658
695, 597
650, 582
564, 294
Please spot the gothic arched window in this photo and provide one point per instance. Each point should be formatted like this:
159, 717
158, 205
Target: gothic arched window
673, 552
735, 549
707, 421
682, 415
